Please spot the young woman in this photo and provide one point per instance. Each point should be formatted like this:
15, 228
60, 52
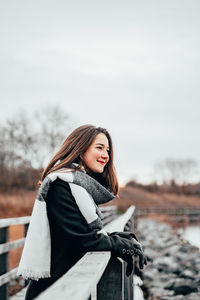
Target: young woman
66, 221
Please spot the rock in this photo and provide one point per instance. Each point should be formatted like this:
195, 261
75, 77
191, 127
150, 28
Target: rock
180, 256
173, 271
182, 286
160, 293
193, 296
187, 248
188, 274
150, 254
173, 298
171, 250
197, 260
166, 264
150, 273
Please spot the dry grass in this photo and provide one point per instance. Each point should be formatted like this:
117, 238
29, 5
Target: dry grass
144, 199
16, 204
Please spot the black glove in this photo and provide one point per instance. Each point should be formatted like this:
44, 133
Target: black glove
142, 258
138, 247
138, 251
123, 248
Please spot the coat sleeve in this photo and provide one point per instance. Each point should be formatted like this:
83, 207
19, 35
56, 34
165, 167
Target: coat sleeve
66, 219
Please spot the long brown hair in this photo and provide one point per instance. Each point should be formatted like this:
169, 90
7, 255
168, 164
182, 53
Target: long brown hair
75, 146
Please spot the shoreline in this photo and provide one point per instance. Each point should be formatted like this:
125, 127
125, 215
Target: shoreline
173, 271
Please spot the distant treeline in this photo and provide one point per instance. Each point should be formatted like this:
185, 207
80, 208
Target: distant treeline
169, 187
27, 142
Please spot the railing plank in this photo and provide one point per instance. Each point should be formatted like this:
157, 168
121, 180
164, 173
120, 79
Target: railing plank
109, 213
14, 221
108, 208
170, 211
5, 278
107, 220
119, 223
80, 280
11, 245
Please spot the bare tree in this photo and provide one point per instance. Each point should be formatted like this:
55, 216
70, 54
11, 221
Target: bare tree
19, 139
178, 170
25, 142
53, 127
3, 154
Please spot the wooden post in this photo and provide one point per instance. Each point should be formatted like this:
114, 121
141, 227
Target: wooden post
110, 286
128, 281
4, 263
26, 281
26, 229
128, 285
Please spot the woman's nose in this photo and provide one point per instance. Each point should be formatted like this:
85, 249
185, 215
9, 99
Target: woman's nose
105, 155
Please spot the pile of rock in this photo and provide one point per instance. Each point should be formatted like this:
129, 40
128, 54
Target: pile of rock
173, 271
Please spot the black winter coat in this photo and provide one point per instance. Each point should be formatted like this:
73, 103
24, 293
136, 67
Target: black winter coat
71, 237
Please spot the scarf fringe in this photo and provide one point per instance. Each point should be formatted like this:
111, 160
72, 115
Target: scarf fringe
34, 275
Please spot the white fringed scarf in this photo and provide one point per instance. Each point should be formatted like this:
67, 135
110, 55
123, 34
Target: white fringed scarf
88, 193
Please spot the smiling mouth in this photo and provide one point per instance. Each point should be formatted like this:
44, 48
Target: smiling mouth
101, 162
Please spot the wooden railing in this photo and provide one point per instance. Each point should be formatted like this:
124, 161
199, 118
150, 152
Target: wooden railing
97, 274
178, 215
5, 247
188, 211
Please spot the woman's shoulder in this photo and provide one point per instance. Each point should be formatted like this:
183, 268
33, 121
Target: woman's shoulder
60, 188
59, 183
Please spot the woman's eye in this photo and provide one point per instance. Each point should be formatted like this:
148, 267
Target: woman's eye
101, 148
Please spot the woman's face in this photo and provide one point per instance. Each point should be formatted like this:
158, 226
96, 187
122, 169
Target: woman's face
96, 156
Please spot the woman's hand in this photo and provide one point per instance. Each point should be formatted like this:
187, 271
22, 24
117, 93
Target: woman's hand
133, 248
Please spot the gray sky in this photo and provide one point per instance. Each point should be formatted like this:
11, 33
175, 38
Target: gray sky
130, 66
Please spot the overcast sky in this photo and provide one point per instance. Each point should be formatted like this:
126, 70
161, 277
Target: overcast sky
130, 66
